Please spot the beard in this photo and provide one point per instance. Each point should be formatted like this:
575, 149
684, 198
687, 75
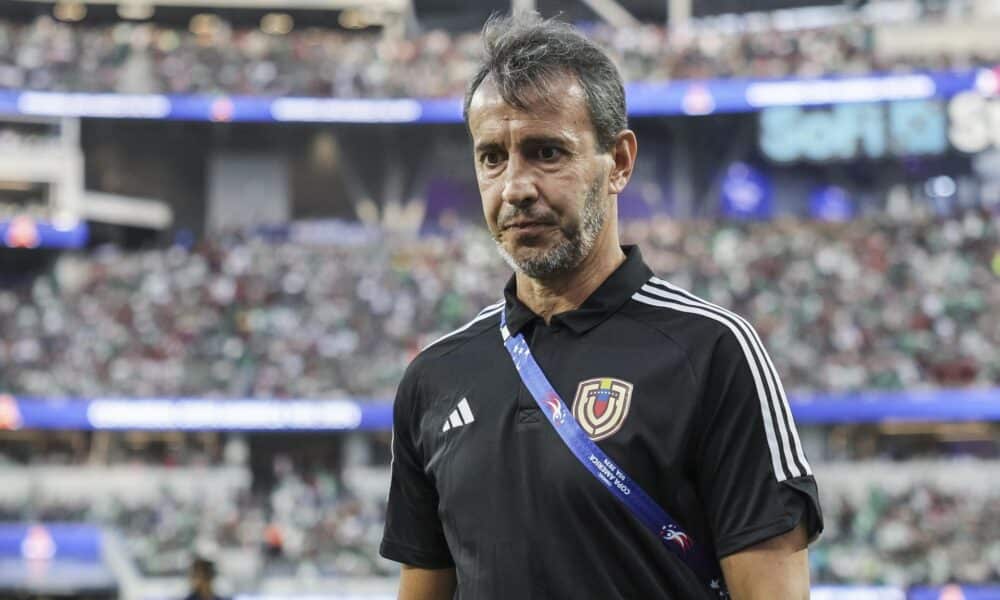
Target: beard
569, 252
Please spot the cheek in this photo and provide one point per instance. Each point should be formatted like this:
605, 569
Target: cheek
564, 196
491, 205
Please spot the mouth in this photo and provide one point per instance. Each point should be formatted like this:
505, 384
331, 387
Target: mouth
528, 226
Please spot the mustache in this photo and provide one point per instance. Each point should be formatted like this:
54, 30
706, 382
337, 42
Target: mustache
504, 221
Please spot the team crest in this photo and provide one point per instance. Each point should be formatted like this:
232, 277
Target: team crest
601, 405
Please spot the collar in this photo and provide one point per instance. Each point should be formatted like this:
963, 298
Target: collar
611, 295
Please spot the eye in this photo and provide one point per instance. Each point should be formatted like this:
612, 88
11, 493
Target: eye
549, 153
491, 158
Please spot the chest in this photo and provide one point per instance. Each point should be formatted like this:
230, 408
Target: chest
493, 454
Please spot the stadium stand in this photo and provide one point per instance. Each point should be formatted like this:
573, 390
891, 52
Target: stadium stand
884, 526
148, 58
880, 305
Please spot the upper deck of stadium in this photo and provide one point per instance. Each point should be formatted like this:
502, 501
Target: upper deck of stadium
428, 49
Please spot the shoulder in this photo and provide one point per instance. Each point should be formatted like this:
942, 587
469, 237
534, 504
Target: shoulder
706, 332
433, 369
485, 319
689, 320
740, 381
441, 348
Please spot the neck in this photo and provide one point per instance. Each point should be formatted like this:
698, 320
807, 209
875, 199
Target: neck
554, 295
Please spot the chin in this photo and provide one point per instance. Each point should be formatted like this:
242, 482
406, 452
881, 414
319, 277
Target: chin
532, 253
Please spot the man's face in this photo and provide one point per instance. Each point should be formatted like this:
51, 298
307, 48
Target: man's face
543, 181
200, 580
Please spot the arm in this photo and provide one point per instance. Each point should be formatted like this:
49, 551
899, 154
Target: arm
426, 584
774, 568
760, 494
414, 535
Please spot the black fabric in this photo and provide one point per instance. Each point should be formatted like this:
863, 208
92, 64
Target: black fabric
504, 501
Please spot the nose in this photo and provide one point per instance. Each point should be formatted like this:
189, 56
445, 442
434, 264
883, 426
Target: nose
519, 187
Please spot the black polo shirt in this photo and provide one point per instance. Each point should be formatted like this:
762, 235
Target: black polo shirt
676, 391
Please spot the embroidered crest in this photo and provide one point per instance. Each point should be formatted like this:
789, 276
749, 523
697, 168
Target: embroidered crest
601, 405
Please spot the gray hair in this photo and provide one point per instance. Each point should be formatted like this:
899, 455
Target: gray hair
525, 54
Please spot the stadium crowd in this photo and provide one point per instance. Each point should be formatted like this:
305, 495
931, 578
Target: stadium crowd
307, 520
841, 307
865, 305
302, 518
920, 535
131, 57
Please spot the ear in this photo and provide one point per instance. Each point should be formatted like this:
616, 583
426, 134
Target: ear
623, 157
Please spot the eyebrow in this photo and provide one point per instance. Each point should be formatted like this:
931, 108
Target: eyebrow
545, 140
530, 141
484, 146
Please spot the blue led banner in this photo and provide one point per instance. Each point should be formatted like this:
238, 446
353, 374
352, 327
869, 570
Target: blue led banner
194, 414
52, 559
878, 406
50, 541
644, 99
25, 232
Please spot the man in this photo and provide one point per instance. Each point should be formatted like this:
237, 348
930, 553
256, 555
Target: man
486, 501
202, 575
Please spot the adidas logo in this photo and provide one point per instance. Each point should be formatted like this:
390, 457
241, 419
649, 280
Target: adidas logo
462, 415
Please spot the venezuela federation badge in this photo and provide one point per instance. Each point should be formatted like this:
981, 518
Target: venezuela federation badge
601, 405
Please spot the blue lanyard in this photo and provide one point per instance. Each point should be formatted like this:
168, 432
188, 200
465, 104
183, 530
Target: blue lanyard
603, 468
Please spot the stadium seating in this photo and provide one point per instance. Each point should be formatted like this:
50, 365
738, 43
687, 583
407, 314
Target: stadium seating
879, 305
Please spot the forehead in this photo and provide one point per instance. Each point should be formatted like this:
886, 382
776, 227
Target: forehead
562, 111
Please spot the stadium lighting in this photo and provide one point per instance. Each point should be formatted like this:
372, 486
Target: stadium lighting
277, 23
135, 11
70, 11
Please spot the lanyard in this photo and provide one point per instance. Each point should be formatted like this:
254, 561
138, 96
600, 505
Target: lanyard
603, 468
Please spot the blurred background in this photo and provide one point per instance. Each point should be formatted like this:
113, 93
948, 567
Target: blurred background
228, 225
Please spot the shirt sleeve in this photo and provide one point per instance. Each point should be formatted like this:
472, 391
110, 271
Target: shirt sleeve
752, 473
413, 534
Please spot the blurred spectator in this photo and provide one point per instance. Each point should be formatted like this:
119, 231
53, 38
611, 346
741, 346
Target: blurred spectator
202, 576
